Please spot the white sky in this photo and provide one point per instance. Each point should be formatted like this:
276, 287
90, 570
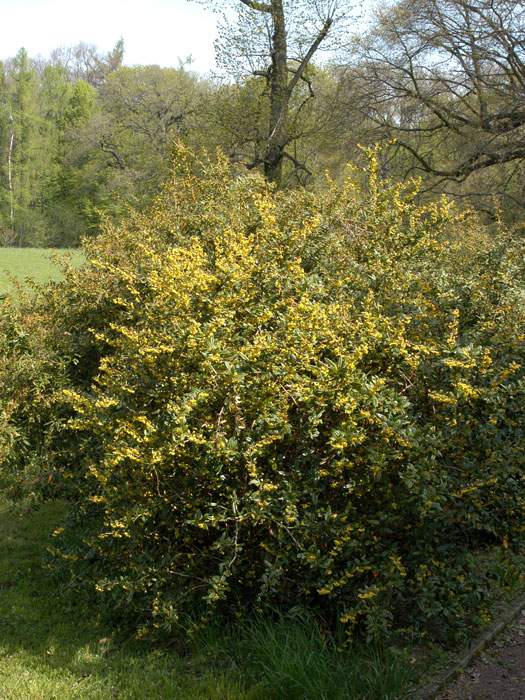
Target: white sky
154, 31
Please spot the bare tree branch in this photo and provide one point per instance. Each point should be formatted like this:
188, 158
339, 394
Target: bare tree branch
446, 78
258, 6
115, 155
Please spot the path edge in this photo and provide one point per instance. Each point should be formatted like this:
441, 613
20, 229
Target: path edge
469, 653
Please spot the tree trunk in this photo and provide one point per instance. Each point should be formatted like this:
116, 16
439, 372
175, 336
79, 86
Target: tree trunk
279, 97
10, 178
280, 86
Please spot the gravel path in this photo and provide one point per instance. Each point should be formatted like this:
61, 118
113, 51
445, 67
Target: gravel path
498, 673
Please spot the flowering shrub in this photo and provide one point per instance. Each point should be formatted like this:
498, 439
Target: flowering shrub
294, 400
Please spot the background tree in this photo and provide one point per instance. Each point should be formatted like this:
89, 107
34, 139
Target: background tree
84, 62
446, 78
70, 204
276, 41
21, 157
6, 143
79, 135
122, 151
234, 116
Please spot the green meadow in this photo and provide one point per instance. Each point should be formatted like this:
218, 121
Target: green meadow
38, 264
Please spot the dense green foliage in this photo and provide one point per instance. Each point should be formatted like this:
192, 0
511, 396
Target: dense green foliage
259, 399
80, 136
40, 204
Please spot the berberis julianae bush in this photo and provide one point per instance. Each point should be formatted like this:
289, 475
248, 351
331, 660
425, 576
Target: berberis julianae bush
291, 400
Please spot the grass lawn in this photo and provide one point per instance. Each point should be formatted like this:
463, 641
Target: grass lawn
53, 646
35, 263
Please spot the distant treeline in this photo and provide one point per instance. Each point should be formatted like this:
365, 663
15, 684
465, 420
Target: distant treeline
82, 136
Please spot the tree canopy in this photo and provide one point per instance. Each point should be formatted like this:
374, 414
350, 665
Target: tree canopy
442, 83
446, 78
